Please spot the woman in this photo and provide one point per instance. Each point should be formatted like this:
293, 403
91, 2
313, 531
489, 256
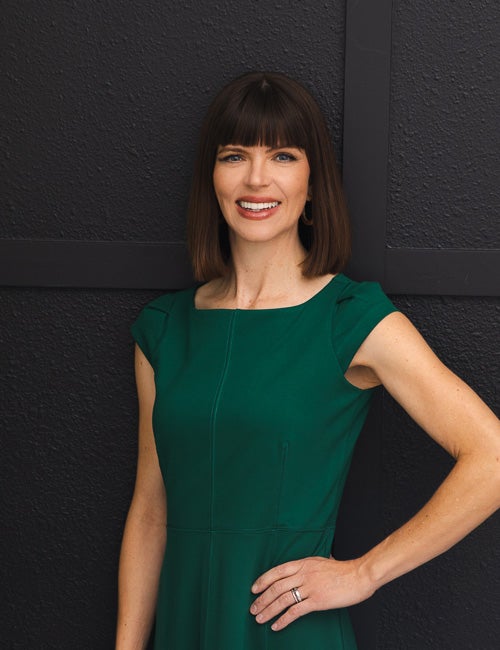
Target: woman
261, 380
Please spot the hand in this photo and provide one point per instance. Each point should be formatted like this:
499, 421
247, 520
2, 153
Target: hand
323, 583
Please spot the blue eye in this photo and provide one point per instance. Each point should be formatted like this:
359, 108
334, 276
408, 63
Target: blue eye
232, 157
284, 157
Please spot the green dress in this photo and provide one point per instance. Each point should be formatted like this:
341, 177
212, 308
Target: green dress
255, 426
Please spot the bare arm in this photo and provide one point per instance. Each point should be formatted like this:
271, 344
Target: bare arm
456, 418
144, 536
395, 355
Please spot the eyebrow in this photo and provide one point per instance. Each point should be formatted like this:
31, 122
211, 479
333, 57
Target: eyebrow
240, 149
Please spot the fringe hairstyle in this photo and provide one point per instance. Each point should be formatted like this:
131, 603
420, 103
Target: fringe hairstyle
270, 109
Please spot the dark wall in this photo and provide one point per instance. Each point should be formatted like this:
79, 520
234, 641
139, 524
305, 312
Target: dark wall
104, 102
444, 134
102, 106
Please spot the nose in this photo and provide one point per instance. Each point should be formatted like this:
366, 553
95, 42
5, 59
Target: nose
258, 172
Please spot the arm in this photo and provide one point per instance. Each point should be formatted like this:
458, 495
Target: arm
395, 355
144, 536
457, 419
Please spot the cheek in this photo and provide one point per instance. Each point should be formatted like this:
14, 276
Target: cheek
221, 187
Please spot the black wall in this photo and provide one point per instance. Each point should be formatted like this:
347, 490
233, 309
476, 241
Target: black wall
101, 104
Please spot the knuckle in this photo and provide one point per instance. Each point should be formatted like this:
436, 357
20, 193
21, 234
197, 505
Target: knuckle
285, 568
257, 604
274, 590
281, 569
283, 600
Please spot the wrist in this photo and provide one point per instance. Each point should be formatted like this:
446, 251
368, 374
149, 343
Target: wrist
370, 573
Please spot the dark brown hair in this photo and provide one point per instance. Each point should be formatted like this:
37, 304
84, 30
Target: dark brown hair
268, 108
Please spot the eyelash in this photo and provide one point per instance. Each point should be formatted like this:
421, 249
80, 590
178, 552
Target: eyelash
229, 158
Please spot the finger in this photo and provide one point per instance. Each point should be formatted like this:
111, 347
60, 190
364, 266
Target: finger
292, 613
276, 573
277, 606
276, 591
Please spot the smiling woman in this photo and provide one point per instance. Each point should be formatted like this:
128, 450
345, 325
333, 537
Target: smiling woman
252, 391
277, 115
257, 184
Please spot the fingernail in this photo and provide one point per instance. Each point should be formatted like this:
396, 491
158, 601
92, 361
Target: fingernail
274, 627
253, 609
259, 618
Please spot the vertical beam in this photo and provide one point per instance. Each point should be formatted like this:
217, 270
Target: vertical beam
366, 131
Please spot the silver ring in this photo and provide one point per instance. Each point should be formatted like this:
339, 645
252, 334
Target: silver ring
296, 594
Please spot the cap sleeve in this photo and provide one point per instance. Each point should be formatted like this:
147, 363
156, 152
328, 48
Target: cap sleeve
360, 307
148, 328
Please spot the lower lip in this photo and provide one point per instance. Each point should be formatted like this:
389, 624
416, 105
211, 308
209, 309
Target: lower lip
256, 216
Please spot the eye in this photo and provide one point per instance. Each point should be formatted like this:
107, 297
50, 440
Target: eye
283, 156
231, 157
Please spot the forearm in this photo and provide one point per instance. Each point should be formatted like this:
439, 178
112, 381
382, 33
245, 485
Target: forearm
470, 494
141, 557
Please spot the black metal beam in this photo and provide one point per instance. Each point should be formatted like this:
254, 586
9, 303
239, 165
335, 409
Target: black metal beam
94, 264
151, 265
366, 131
457, 272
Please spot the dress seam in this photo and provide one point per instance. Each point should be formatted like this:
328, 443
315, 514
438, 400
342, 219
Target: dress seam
213, 416
274, 529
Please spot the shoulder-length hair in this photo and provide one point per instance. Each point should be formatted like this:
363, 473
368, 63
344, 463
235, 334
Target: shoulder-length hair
270, 109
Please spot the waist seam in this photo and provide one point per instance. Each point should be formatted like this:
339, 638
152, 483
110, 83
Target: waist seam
272, 529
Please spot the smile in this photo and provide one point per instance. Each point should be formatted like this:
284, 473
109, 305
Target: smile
256, 207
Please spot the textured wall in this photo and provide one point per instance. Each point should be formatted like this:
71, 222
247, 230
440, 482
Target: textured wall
443, 172
104, 101
102, 104
67, 464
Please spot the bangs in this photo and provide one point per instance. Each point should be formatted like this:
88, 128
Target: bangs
271, 110
261, 117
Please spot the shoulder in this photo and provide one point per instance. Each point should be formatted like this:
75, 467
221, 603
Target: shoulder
361, 301
211, 294
359, 308
363, 293
168, 302
151, 323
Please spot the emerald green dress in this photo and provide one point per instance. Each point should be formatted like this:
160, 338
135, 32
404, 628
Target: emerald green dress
255, 426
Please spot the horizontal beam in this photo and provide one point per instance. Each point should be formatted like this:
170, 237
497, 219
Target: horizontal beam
94, 264
452, 272
165, 265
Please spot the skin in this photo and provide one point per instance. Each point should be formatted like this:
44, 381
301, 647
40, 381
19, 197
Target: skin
266, 254
144, 536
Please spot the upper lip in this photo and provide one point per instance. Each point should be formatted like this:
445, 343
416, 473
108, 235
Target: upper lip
258, 199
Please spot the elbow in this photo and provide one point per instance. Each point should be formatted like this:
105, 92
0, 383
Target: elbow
483, 471
148, 513
492, 476
497, 479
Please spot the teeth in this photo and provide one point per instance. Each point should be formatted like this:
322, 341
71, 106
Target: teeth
258, 206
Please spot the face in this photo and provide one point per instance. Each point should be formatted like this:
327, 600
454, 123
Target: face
261, 191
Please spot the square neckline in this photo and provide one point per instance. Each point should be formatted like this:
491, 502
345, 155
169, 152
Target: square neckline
265, 309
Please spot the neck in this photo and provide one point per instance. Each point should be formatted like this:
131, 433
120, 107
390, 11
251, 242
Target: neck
263, 270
